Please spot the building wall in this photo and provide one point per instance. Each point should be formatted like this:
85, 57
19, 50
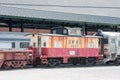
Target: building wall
4, 29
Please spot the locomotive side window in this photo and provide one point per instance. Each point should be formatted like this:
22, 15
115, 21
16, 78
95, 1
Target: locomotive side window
13, 44
34, 44
78, 32
64, 31
44, 44
76, 42
74, 32
90, 45
24, 44
54, 31
73, 42
69, 41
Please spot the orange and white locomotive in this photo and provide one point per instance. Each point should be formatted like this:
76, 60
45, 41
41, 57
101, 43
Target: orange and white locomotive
72, 47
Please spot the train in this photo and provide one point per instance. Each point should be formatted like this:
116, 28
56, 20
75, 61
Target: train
70, 45
63, 46
14, 40
14, 51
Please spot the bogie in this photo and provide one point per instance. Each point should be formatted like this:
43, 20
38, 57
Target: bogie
54, 62
91, 61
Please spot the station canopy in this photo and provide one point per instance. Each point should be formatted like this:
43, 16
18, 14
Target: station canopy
42, 19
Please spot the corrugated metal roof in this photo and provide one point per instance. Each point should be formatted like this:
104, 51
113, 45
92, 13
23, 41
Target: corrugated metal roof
31, 13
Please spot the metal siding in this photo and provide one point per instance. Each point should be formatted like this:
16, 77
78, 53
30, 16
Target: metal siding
5, 45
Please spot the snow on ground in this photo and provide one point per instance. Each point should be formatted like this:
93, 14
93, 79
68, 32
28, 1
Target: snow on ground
72, 73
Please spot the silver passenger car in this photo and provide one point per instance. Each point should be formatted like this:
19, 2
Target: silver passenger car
14, 41
111, 46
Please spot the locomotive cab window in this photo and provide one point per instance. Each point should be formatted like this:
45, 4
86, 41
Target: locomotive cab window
64, 31
54, 31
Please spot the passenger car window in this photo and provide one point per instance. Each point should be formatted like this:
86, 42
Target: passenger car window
24, 44
13, 44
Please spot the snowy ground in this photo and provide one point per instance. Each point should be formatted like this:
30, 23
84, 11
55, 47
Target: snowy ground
63, 73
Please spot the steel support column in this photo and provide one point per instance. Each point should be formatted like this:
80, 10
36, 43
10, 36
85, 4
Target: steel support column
84, 29
115, 28
10, 25
21, 25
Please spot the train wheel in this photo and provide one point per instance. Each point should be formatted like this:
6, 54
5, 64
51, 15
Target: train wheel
6, 66
117, 62
83, 61
35, 64
53, 62
111, 62
90, 61
44, 65
74, 62
22, 66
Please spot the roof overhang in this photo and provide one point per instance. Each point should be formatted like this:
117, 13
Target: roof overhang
21, 13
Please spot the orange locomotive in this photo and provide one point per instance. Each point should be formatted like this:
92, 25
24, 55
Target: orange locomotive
71, 47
